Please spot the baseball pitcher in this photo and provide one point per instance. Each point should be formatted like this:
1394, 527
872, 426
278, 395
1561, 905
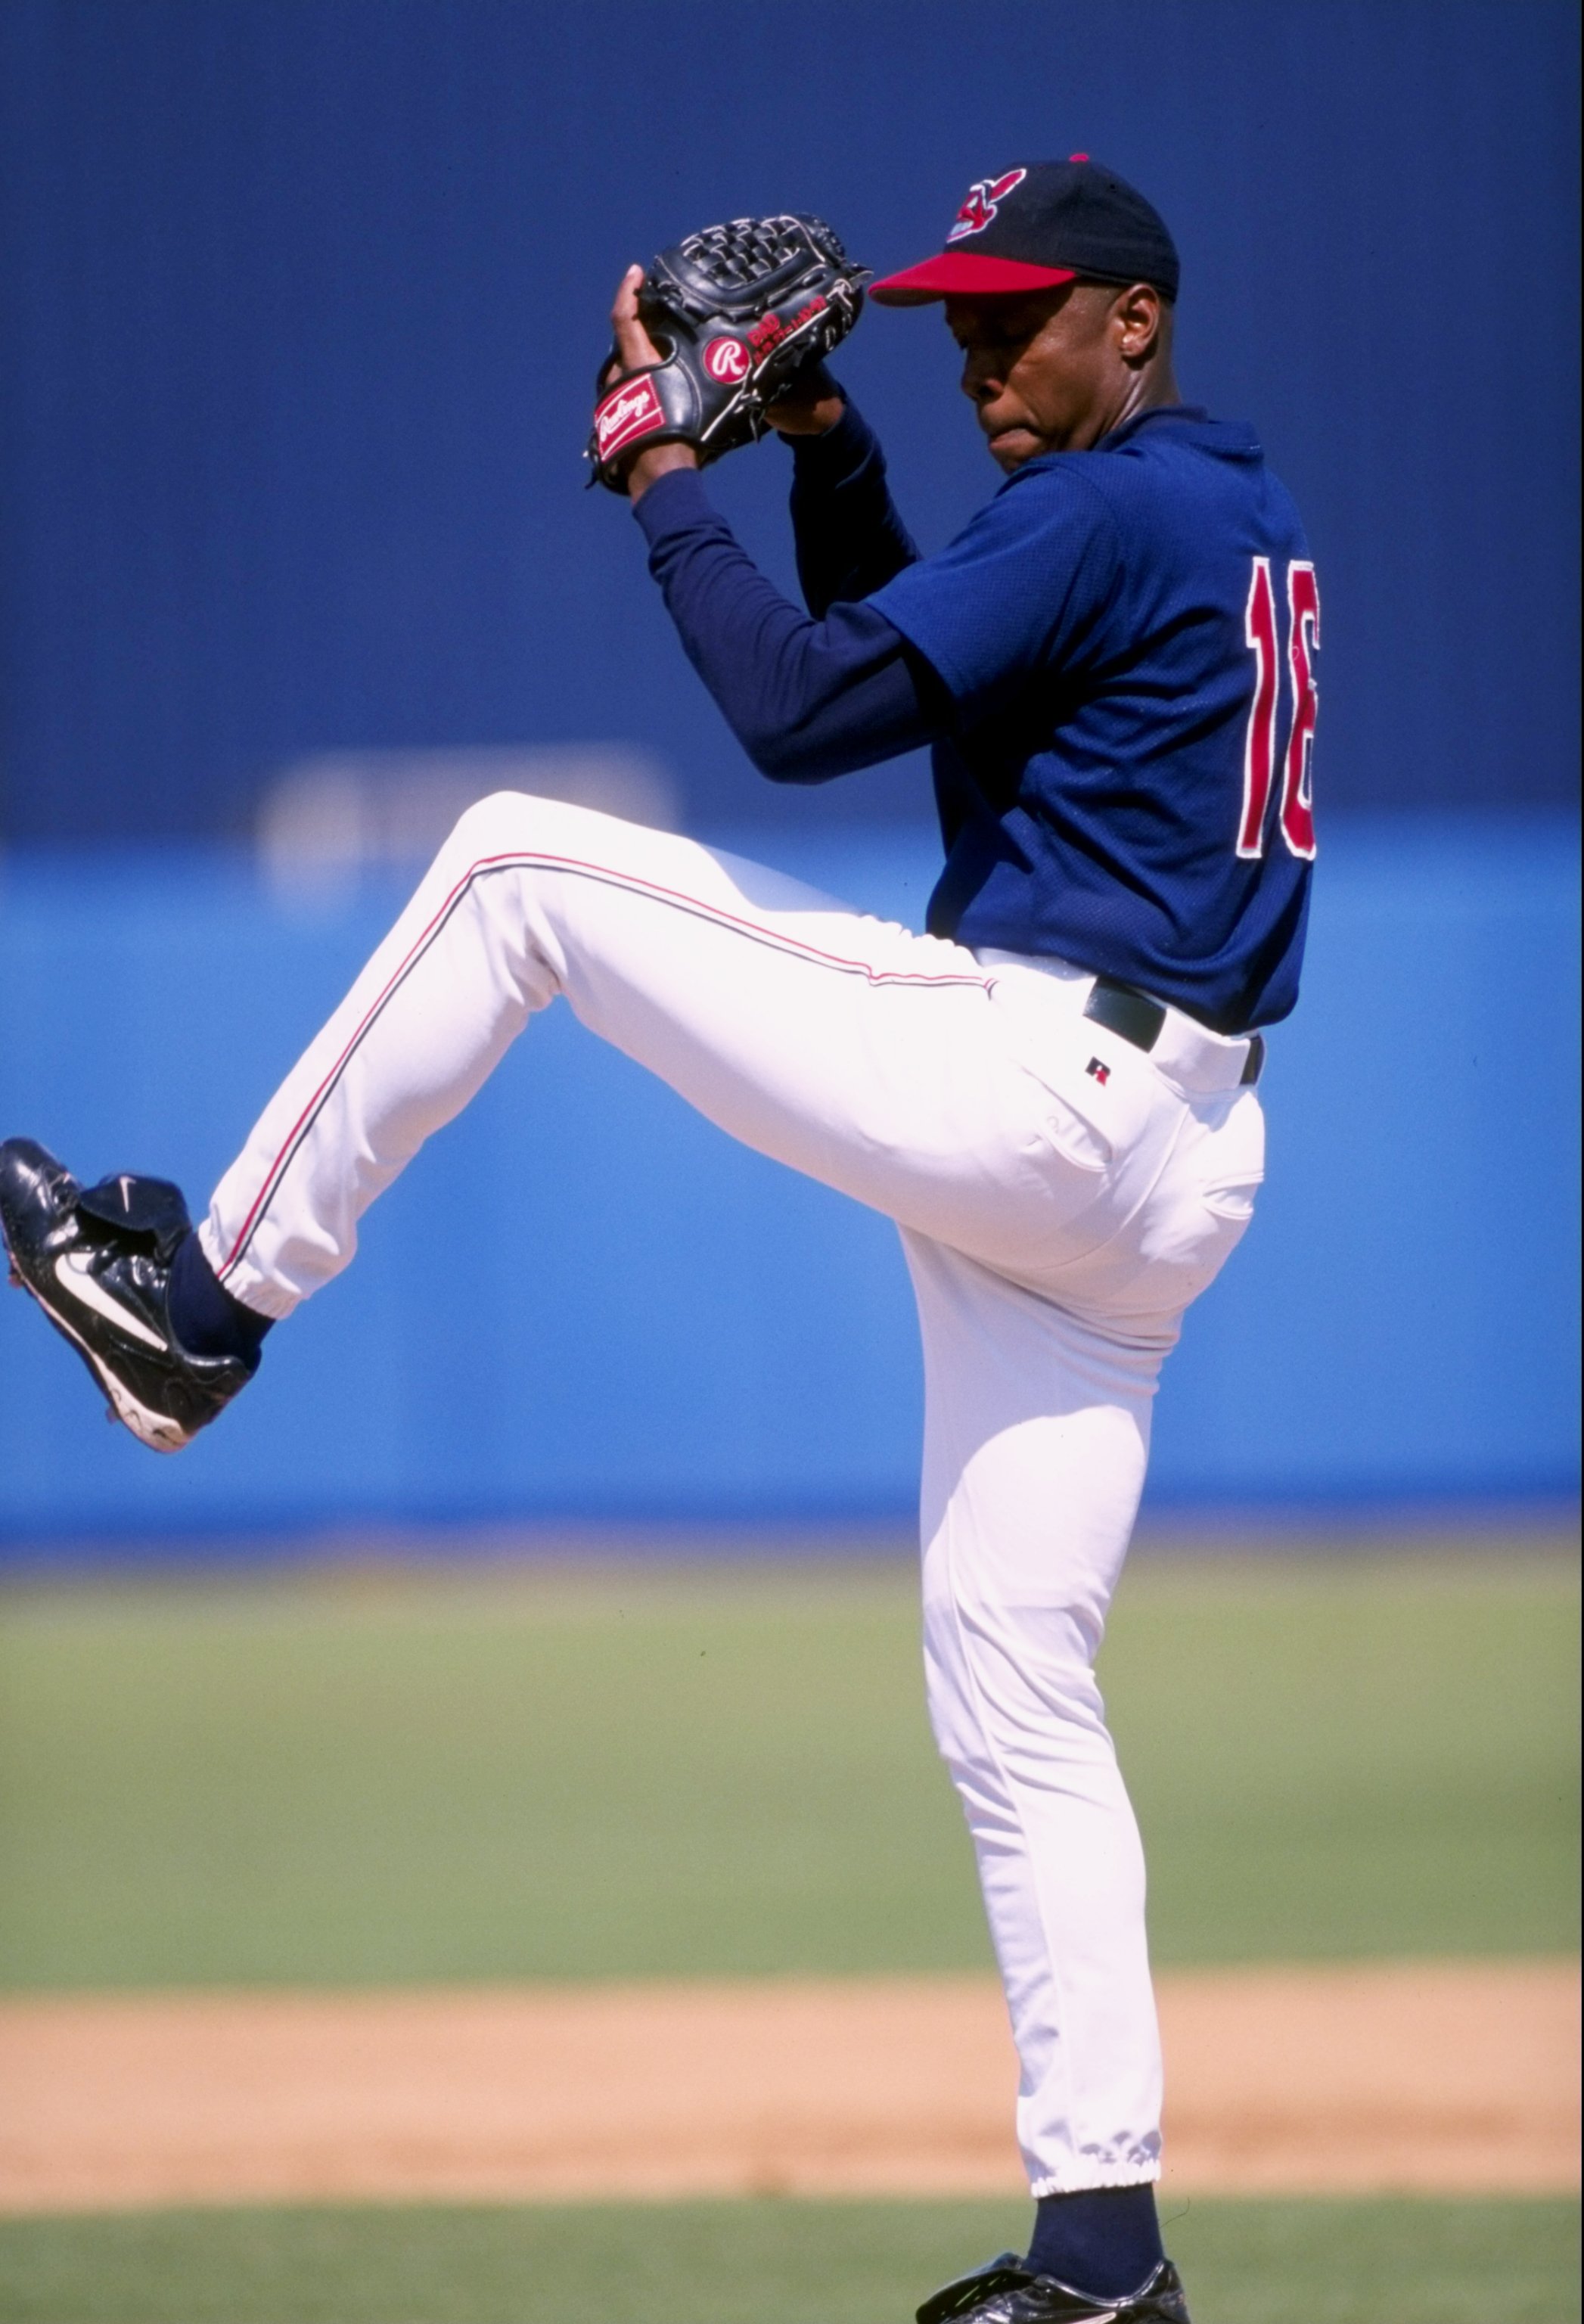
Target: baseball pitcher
1051, 1092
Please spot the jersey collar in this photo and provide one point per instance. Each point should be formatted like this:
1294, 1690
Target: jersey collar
1195, 412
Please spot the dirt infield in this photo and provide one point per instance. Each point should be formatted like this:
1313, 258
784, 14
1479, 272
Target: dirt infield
1444, 2077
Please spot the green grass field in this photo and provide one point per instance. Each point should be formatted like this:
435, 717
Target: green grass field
762, 2262
717, 1772
713, 1771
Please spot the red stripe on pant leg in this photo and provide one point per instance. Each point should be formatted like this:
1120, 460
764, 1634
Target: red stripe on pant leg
323, 1090
628, 881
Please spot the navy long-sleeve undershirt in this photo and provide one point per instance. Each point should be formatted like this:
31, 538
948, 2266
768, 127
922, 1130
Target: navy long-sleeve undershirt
850, 540
809, 695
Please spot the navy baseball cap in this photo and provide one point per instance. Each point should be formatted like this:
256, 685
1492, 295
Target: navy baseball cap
1037, 225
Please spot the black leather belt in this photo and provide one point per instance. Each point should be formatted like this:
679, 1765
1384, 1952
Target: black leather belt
1137, 1019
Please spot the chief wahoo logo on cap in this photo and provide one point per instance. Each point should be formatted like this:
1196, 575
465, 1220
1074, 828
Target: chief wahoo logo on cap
984, 197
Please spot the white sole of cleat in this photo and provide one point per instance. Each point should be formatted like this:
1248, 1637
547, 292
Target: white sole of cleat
154, 1429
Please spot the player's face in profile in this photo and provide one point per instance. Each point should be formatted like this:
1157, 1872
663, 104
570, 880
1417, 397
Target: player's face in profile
1049, 372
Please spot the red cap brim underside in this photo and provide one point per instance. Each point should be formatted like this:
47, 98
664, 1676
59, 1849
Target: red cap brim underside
967, 274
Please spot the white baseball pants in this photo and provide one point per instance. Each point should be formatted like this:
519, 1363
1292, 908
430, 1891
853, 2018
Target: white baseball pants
1061, 1197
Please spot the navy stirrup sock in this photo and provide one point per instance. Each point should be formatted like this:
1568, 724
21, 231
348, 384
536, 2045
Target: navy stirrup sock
1106, 2241
203, 1316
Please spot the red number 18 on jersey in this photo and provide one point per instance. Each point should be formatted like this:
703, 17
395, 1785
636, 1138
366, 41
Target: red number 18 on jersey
1259, 746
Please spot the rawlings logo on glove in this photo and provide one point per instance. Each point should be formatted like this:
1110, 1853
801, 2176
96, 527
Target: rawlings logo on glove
633, 410
735, 312
727, 360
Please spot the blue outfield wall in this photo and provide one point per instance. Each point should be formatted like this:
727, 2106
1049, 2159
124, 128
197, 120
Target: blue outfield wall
583, 1301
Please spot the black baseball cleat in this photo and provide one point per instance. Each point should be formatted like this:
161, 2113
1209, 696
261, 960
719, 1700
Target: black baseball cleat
1005, 2292
97, 1260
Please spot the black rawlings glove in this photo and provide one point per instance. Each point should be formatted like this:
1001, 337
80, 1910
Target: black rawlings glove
735, 312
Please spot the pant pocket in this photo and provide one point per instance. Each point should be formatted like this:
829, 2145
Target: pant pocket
1202, 1208
1235, 1200
1076, 1138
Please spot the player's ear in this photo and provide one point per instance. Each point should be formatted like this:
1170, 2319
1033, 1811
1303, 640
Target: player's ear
1139, 317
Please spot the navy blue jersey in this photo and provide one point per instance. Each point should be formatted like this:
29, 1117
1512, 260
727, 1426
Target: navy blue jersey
1128, 637
1113, 666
